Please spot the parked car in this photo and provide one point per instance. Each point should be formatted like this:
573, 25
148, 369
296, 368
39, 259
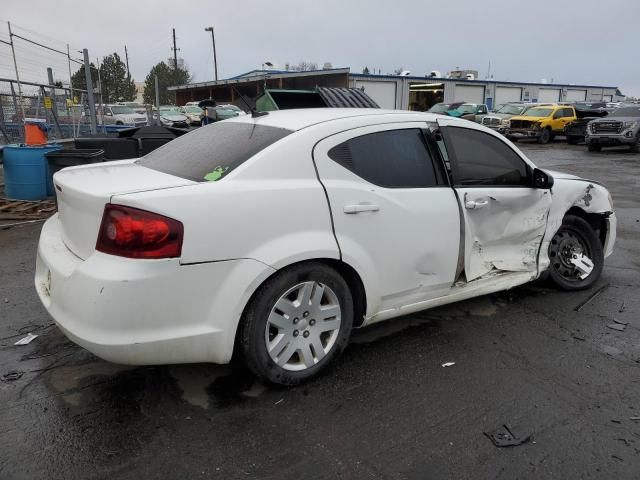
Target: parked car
621, 127
499, 119
137, 107
193, 114
220, 112
541, 122
274, 236
171, 116
468, 111
120, 115
576, 131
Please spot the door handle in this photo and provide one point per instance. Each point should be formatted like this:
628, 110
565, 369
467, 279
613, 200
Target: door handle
361, 207
473, 204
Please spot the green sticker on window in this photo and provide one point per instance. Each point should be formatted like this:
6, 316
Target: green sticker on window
216, 174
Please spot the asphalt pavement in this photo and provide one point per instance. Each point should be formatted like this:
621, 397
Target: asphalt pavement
560, 370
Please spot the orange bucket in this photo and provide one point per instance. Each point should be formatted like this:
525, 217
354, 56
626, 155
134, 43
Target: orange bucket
34, 135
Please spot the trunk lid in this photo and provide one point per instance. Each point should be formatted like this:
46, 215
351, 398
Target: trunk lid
82, 193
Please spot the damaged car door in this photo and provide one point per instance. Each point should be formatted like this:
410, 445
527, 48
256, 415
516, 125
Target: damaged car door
505, 215
395, 217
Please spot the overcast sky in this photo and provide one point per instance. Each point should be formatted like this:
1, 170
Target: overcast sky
570, 41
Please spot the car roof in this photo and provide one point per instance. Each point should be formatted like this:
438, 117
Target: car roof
297, 119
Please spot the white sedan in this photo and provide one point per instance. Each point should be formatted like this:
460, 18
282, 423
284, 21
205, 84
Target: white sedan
274, 236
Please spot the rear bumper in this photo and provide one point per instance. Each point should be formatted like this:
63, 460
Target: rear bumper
143, 312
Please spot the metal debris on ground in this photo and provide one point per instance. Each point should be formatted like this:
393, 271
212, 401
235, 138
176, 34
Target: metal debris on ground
11, 376
448, 364
620, 322
634, 419
621, 309
26, 340
505, 437
26, 209
617, 326
582, 304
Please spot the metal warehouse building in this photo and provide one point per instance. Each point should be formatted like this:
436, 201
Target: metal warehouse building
395, 92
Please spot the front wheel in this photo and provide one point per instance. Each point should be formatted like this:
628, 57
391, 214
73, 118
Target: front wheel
572, 140
635, 148
576, 255
594, 148
297, 323
545, 136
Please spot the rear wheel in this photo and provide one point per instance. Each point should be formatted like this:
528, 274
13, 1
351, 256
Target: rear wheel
297, 323
594, 148
545, 136
576, 255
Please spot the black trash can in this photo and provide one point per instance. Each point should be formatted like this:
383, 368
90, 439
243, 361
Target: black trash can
70, 158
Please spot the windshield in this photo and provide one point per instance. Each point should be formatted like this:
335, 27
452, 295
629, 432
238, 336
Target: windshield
193, 109
169, 110
440, 107
467, 109
627, 112
511, 109
210, 153
122, 110
538, 112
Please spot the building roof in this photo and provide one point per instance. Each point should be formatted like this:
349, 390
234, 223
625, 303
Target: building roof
256, 75
477, 81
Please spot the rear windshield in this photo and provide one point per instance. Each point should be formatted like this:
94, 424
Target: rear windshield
211, 152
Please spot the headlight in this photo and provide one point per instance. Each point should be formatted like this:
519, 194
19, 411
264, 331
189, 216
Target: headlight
505, 121
592, 127
629, 124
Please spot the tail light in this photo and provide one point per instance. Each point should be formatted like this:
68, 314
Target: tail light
134, 233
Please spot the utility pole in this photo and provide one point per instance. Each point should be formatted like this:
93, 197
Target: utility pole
90, 98
175, 51
157, 100
100, 100
54, 103
126, 56
15, 65
215, 60
70, 82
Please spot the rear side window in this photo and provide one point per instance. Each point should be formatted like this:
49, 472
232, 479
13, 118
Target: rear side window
392, 159
482, 159
211, 152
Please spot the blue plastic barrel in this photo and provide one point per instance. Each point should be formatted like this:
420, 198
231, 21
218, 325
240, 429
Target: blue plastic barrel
26, 171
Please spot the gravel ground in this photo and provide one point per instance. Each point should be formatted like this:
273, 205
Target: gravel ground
388, 409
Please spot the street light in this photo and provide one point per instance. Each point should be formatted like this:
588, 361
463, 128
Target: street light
213, 41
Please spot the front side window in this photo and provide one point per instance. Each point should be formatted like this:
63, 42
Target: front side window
478, 158
392, 159
538, 112
210, 153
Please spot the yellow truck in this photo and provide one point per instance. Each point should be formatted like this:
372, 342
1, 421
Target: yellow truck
542, 122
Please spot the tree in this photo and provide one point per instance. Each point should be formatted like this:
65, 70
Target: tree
78, 79
167, 76
116, 85
302, 66
365, 70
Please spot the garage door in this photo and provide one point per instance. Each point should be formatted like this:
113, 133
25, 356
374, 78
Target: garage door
383, 93
574, 95
469, 93
548, 95
508, 94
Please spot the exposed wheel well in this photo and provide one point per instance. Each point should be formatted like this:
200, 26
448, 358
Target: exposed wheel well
597, 221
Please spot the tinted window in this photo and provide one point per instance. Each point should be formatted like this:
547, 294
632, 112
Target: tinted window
482, 159
567, 112
393, 159
209, 153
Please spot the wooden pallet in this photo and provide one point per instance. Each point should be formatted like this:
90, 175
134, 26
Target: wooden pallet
26, 210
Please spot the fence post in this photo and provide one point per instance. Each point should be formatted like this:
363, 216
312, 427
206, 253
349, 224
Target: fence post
159, 123
54, 103
15, 65
91, 100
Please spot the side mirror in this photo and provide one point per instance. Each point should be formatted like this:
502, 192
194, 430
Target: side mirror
542, 179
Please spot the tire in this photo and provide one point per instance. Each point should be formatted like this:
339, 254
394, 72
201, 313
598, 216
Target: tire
574, 237
571, 140
545, 136
272, 313
594, 148
635, 148
119, 123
